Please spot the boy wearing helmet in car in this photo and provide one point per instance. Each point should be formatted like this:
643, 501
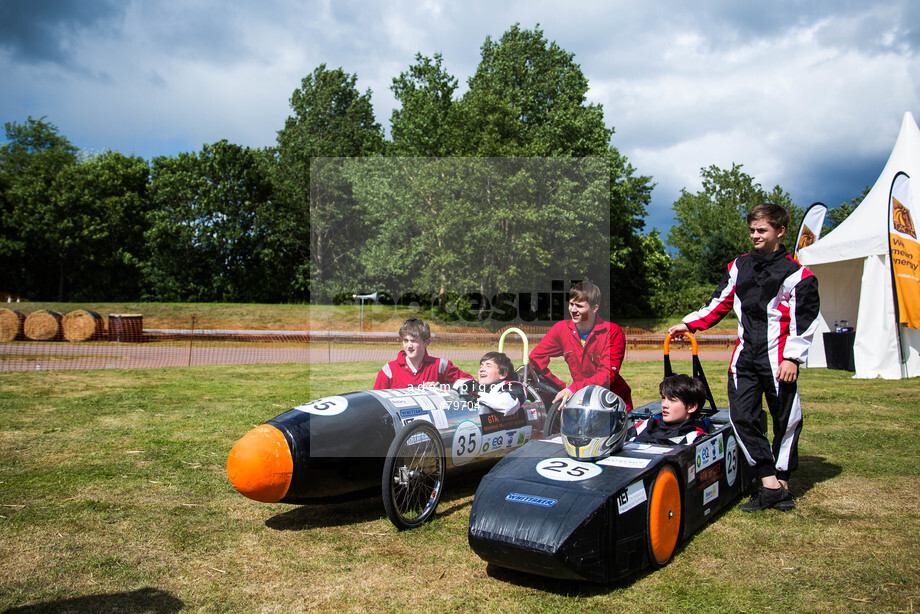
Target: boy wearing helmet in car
681, 400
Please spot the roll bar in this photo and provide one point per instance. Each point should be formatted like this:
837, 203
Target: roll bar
523, 336
697, 366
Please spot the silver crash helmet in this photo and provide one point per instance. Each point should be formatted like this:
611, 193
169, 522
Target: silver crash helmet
594, 423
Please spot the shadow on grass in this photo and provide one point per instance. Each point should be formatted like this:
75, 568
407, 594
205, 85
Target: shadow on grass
457, 494
812, 470
321, 515
141, 601
567, 588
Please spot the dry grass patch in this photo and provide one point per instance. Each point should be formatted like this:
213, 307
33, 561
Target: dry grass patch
864, 497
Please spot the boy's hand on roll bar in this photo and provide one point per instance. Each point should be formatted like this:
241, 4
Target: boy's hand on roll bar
678, 328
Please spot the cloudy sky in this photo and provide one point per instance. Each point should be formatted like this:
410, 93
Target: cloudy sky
805, 94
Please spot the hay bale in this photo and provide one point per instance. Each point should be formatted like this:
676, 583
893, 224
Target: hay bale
43, 325
11, 323
126, 327
83, 325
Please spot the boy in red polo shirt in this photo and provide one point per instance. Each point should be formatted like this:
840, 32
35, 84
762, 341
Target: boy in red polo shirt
592, 348
413, 365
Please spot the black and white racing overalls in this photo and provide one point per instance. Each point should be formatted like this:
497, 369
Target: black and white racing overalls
776, 301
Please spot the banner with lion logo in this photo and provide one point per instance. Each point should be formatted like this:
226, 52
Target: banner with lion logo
810, 230
904, 251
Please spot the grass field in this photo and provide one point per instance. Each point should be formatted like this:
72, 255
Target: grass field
114, 498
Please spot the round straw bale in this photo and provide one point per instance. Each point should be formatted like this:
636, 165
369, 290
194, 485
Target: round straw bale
43, 325
11, 323
126, 327
83, 325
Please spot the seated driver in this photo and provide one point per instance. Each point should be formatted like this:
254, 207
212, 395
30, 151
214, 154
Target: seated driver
682, 397
495, 387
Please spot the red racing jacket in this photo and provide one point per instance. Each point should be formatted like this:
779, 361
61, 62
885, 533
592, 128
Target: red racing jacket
398, 374
596, 362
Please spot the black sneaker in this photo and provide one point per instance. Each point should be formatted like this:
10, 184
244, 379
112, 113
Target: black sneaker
769, 498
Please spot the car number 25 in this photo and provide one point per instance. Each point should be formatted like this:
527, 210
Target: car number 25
567, 470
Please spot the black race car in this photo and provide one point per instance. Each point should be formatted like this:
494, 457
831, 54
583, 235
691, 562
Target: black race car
540, 511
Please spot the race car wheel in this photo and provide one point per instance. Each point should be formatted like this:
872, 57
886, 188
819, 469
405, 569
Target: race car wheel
553, 423
413, 475
664, 505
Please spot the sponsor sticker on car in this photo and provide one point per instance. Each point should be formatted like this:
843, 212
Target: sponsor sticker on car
467, 443
631, 497
647, 448
731, 460
711, 494
625, 462
514, 497
709, 452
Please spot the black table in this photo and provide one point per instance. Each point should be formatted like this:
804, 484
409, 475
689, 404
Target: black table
838, 350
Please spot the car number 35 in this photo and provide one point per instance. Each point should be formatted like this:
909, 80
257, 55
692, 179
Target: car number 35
467, 442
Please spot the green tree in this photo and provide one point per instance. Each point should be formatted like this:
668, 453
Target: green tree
648, 279
711, 227
35, 248
528, 98
330, 119
843, 210
427, 123
460, 225
635, 259
210, 227
105, 201
711, 230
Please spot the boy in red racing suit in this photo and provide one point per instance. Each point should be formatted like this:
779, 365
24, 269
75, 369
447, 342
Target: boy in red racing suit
414, 366
776, 300
592, 348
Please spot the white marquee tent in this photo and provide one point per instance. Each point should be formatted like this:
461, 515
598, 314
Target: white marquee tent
854, 276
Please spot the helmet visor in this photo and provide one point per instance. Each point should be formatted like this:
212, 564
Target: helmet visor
582, 422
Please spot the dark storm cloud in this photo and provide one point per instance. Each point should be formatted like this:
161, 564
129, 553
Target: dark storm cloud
836, 177
36, 31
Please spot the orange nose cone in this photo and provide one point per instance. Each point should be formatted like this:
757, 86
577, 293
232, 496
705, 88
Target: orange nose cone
260, 464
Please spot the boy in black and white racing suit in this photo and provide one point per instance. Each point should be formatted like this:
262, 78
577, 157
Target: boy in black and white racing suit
776, 301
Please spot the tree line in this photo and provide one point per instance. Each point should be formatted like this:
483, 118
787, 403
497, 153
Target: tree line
514, 182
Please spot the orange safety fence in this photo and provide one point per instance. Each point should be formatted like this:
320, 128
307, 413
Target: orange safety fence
82, 339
